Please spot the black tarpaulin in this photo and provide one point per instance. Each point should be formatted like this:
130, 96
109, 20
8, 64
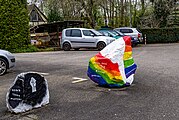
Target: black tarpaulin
29, 90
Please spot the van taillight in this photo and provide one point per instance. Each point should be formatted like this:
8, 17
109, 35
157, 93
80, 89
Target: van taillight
138, 35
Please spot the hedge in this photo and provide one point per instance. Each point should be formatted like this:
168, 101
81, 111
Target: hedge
161, 35
14, 23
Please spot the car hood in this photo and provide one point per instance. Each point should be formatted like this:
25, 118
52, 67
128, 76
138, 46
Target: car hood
6, 53
117, 37
3, 51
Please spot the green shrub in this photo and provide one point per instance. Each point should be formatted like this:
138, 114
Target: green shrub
29, 48
14, 22
32, 48
161, 35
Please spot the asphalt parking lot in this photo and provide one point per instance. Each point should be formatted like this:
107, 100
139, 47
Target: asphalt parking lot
154, 94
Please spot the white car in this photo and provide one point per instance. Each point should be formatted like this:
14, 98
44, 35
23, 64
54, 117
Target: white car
133, 32
7, 61
77, 38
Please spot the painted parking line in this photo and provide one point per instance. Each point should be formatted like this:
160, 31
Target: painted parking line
78, 80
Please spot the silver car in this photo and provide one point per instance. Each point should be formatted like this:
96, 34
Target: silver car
7, 61
77, 38
133, 32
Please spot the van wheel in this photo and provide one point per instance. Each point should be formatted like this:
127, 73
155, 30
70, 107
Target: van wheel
66, 46
101, 45
3, 66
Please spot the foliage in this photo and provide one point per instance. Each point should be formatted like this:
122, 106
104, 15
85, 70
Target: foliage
14, 22
114, 13
53, 13
158, 15
31, 48
28, 48
161, 35
162, 9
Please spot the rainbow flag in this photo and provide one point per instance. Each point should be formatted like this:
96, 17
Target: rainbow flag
114, 65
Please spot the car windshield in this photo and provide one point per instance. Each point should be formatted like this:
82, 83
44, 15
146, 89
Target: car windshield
119, 33
112, 33
97, 33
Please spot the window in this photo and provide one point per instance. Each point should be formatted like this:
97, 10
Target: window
68, 33
126, 31
138, 30
96, 33
114, 32
76, 33
104, 33
87, 33
34, 16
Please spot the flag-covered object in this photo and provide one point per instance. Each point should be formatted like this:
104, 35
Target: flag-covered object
28, 91
114, 65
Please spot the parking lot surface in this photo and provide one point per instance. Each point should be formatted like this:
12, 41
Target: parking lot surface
154, 94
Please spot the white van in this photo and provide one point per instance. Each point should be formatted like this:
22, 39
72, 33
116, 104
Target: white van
133, 32
77, 38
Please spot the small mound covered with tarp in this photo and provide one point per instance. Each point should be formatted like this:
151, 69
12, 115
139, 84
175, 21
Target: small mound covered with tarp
114, 65
29, 90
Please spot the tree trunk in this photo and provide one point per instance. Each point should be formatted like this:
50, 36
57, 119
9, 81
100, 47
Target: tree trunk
134, 23
122, 13
143, 8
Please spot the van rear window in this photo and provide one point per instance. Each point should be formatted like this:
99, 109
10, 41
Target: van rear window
76, 33
68, 33
126, 31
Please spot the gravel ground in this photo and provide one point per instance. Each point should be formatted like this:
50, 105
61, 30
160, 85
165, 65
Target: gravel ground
153, 95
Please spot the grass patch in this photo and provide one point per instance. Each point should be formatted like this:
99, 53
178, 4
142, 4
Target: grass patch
31, 48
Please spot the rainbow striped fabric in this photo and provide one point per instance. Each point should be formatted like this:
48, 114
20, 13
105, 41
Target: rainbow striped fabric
114, 65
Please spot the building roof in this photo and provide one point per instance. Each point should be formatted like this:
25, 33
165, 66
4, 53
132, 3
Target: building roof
34, 7
56, 25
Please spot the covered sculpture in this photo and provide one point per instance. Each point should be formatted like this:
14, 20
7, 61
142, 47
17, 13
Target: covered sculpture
114, 65
29, 90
